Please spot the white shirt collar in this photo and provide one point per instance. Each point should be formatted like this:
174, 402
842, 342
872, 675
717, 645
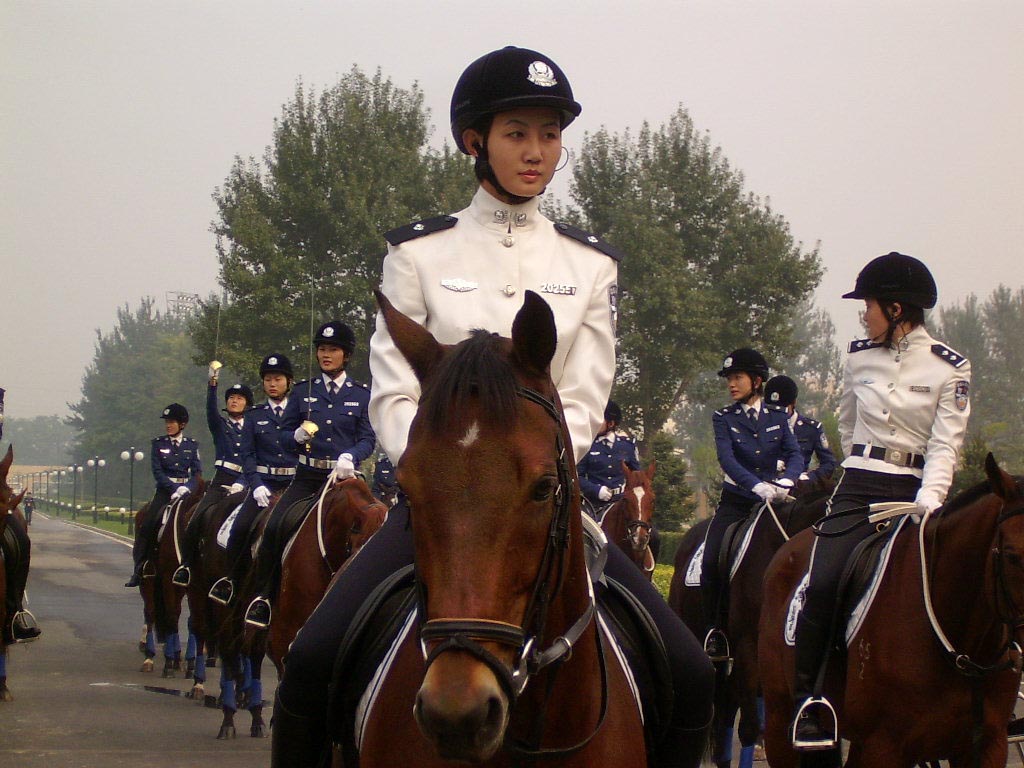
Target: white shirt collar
282, 404
338, 381
491, 212
754, 405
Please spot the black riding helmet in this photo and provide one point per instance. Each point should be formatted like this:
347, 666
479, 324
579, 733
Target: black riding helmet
276, 364
896, 277
612, 412
175, 412
336, 333
509, 78
745, 360
780, 390
239, 389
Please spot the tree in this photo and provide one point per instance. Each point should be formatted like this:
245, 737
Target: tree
345, 166
709, 267
816, 365
38, 441
138, 368
674, 498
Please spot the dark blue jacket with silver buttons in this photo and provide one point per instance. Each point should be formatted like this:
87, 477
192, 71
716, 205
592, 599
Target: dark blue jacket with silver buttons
174, 466
602, 466
261, 447
227, 435
749, 452
810, 434
343, 419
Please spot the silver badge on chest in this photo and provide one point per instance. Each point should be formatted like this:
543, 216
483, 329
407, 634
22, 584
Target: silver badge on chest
458, 285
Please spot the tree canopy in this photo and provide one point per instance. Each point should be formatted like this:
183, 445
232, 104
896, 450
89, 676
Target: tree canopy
305, 226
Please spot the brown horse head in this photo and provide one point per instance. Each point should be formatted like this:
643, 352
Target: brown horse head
1008, 553
351, 515
638, 503
490, 484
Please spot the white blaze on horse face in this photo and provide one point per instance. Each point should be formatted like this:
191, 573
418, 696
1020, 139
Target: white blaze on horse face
639, 493
471, 436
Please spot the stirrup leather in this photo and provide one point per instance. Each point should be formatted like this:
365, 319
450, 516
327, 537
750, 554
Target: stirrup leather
823, 705
255, 621
222, 591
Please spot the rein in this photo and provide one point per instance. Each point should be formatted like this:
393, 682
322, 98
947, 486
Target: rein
465, 634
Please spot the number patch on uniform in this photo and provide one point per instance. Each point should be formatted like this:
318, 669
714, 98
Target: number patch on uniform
558, 288
962, 395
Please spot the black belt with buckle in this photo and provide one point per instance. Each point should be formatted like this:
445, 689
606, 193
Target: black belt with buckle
889, 455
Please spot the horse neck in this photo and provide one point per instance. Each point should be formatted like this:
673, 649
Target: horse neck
615, 520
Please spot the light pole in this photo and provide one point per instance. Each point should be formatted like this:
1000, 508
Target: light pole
75, 470
96, 462
60, 474
131, 456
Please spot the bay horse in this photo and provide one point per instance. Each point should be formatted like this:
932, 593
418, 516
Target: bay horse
161, 599
627, 521
344, 519
8, 515
917, 688
508, 664
737, 688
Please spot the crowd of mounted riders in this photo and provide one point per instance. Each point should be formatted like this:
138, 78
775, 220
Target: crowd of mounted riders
902, 420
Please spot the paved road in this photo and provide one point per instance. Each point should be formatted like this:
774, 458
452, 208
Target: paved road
80, 699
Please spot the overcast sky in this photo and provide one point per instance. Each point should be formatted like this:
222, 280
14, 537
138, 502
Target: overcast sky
873, 125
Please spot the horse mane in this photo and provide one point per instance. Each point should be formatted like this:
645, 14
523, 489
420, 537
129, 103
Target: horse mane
477, 369
967, 497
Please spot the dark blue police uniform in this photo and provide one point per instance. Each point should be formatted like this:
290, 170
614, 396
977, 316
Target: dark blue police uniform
810, 434
602, 466
174, 465
749, 452
385, 484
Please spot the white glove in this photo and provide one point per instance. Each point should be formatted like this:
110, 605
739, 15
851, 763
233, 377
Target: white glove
781, 493
302, 436
344, 468
763, 490
927, 502
235, 488
214, 370
605, 494
804, 476
179, 492
262, 495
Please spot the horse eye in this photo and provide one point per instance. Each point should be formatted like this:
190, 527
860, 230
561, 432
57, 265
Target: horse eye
544, 488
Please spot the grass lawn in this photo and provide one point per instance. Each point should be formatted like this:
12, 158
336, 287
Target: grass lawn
662, 578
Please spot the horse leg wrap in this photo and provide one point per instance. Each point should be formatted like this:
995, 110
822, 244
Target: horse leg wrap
227, 690
200, 674
255, 694
747, 757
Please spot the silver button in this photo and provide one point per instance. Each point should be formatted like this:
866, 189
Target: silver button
885, 411
508, 241
897, 358
520, 219
328, 421
509, 291
591, 239
418, 227
891, 385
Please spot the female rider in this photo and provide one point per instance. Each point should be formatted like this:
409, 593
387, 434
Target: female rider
902, 419
469, 270
751, 437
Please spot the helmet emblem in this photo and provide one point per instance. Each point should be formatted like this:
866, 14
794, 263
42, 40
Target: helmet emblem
727, 362
541, 74
775, 397
328, 332
166, 411
272, 361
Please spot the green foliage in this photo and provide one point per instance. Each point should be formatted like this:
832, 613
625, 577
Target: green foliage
709, 267
140, 367
345, 166
674, 503
815, 363
39, 441
990, 334
670, 541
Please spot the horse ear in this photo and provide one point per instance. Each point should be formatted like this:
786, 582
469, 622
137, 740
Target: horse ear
5, 465
533, 334
414, 341
17, 499
1003, 485
650, 469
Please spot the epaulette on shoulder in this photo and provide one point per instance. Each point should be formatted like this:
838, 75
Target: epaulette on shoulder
860, 345
775, 407
359, 384
813, 422
588, 239
419, 229
952, 357
723, 411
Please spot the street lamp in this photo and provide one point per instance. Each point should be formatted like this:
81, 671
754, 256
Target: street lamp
131, 456
96, 462
75, 470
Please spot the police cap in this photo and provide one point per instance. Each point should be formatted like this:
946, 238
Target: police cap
509, 78
336, 333
239, 389
745, 360
780, 390
274, 363
175, 412
896, 277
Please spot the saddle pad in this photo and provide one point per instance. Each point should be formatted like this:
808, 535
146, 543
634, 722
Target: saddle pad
694, 570
867, 595
224, 532
744, 535
748, 535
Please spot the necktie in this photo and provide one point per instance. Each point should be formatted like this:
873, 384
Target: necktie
752, 415
277, 411
333, 388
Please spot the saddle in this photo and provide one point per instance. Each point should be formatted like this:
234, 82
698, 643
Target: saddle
734, 547
390, 613
10, 549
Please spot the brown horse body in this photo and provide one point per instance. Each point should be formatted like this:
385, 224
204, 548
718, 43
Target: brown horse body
332, 533
901, 700
499, 550
737, 689
627, 522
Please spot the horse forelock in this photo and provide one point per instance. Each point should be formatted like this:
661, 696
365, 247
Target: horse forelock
479, 372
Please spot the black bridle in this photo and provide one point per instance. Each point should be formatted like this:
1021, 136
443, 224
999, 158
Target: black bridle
466, 634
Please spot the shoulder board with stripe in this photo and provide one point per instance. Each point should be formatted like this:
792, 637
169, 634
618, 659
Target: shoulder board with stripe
774, 407
952, 357
861, 344
419, 229
588, 239
813, 422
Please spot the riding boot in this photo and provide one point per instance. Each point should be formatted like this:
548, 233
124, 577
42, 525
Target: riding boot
24, 627
296, 741
136, 579
682, 747
258, 612
814, 726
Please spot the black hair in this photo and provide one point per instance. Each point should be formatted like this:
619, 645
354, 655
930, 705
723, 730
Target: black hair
911, 314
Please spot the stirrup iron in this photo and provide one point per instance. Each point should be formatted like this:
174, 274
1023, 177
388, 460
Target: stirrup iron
822, 706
